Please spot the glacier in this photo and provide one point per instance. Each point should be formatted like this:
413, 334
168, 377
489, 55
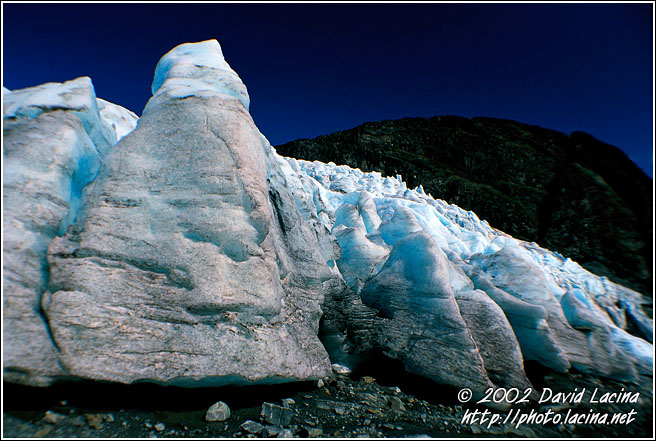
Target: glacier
180, 248
562, 315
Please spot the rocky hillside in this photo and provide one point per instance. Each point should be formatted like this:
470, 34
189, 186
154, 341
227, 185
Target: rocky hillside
571, 194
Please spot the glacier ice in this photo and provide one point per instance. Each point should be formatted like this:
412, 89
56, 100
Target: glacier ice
197, 69
190, 264
561, 314
121, 120
76, 96
191, 253
359, 256
54, 141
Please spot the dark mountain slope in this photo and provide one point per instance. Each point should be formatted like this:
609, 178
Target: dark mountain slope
571, 194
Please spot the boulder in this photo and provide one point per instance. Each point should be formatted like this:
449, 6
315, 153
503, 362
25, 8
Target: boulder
277, 415
219, 411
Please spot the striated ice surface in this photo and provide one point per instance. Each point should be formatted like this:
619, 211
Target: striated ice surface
190, 264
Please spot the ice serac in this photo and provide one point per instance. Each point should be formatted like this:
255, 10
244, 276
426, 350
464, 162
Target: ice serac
190, 264
54, 141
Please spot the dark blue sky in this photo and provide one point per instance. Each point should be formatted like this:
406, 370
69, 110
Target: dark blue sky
313, 69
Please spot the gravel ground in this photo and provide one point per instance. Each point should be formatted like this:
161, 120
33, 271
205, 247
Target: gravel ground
382, 404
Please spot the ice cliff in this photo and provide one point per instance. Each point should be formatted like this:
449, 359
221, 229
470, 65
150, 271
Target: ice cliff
186, 251
54, 139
